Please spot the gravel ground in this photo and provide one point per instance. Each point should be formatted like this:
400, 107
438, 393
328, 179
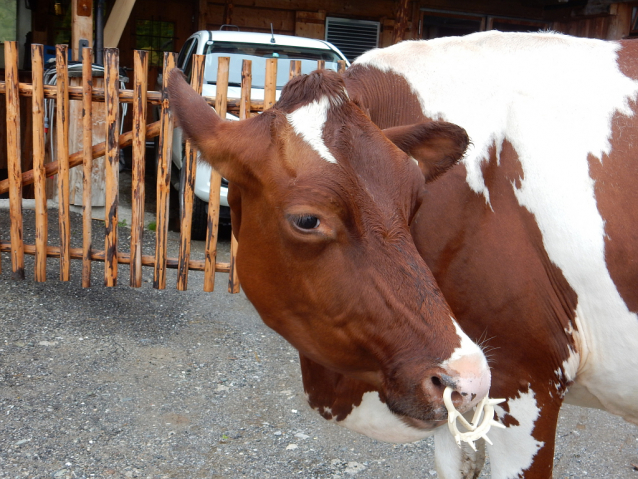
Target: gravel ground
123, 382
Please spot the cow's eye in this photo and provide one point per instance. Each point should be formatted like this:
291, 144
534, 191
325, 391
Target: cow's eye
307, 222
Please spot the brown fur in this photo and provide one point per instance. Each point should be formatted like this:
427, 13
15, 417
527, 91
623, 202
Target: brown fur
352, 295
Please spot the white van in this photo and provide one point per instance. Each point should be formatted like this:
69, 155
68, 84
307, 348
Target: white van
240, 46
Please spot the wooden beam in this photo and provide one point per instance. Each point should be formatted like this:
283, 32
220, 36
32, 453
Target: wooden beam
620, 24
402, 21
117, 21
81, 25
14, 158
124, 258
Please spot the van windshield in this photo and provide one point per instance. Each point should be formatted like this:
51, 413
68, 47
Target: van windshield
258, 53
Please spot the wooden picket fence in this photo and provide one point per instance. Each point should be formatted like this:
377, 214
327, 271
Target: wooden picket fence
112, 96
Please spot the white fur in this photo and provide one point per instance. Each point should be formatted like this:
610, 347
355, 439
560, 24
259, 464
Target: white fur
453, 462
553, 98
467, 347
514, 447
308, 122
469, 362
373, 419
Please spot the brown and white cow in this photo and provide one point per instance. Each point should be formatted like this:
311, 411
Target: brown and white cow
321, 204
533, 236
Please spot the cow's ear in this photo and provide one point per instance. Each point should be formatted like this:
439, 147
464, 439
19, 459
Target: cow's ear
229, 146
436, 145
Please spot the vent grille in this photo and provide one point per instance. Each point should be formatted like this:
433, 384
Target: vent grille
352, 37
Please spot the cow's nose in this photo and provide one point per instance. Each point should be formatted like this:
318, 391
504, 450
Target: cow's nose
435, 383
468, 377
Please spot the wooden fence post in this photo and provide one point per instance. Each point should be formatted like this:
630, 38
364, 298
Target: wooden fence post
62, 129
112, 156
189, 169
14, 158
295, 69
87, 167
270, 83
110, 149
39, 178
246, 86
139, 147
212, 228
244, 113
163, 177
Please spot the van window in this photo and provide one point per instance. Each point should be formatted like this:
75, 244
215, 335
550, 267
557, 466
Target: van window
258, 53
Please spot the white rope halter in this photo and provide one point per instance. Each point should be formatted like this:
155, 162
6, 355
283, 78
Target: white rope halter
481, 423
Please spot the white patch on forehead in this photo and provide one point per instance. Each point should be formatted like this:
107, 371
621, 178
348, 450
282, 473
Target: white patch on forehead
535, 91
308, 122
514, 447
372, 418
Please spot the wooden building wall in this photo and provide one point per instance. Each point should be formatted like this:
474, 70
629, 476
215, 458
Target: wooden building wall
183, 14
293, 17
308, 17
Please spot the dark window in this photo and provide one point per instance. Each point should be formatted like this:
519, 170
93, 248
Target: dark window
515, 25
155, 36
437, 25
634, 23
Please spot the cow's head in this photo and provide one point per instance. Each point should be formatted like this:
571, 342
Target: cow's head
321, 203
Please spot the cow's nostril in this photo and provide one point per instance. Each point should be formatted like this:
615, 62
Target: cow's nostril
437, 382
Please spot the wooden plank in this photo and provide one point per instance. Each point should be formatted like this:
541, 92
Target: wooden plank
270, 83
221, 99
87, 165
403, 14
212, 227
124, 258
81, 25
310, 24
112, 156
76, 159
321, 64
125, 96
139, 149
62, 136
14, 159
233, 277
204, 13
269, 94
620, 22
188, 176
259, 19
246, 85
295, 69
163, 178
116, 22
341, 66
41, 220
